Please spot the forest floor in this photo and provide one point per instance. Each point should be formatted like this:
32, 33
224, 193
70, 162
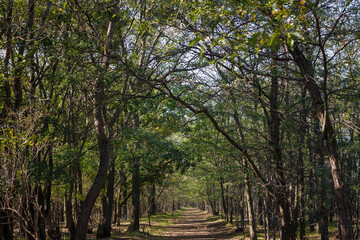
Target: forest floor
189, 223
192, 223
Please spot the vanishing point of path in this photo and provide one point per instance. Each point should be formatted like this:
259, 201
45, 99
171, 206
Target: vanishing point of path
192, 224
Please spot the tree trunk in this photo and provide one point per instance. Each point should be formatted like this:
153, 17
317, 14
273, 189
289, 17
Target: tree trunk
260, 211
223, 200
6, 228
227, 203
250, 207
231, 209
311, 183
287, 231
340, 186
300, 165
135, 199
40, 215
135, 217
124, 208
104, 229
152, 199
242, 217
103, 139
117, 208
322, 217
99, 182
268, 217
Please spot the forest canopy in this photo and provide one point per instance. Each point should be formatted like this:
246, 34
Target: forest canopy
112, 110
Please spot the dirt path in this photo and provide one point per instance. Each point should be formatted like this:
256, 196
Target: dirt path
192, 224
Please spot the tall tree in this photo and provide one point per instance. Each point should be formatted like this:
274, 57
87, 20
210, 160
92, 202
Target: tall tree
101, 126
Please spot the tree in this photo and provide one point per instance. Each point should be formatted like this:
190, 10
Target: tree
218, 42
246, 94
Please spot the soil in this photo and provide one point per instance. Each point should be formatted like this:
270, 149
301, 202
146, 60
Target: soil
192, 224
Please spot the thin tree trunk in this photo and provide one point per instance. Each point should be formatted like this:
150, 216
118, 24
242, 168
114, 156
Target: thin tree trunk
135, 199
242, 215
232, 209
6, 228
227, 203
135, 218
223, 201
104, 229
268, 218
69, 212
250, 207
300, 165
40, 215
152, 199
117, 208
260, 211
124, 208
322, 217
110, 196
287, 231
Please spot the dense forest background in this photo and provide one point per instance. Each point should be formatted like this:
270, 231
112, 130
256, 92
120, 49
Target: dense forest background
114, 109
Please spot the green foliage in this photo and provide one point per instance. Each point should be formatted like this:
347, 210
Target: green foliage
213, 55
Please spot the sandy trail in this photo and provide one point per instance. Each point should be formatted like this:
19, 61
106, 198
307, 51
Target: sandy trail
192, 224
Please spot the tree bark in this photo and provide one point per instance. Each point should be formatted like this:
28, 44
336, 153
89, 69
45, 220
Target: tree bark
104, 150
40, 215
68, 211
124, 208
152, 199
135, 200
6, 228
340, 186
287, 230
103, 137
268, 216
223, 200
300, 165
104, 229
322, 217
250, 207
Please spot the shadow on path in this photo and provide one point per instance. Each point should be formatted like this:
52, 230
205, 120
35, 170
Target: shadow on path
192, 224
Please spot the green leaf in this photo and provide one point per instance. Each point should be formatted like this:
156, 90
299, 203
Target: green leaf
275, 42
195, 41
297, 35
